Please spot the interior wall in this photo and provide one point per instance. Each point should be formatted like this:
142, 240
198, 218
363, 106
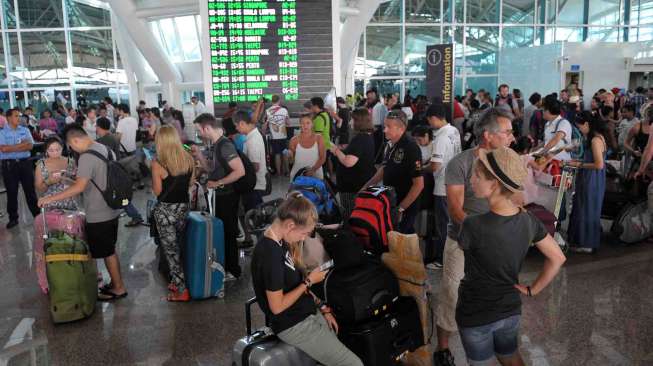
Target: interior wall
604, 64
532, 69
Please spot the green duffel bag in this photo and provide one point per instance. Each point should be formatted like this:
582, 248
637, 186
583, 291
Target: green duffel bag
72, 277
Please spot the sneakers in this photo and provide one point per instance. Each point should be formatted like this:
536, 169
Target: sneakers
582, 250
443, 358
12, 223
134, 222
434, 266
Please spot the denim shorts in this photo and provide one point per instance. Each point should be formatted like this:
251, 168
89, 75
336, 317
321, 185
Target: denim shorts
484, 342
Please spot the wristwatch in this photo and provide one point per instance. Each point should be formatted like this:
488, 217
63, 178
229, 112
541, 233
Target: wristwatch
401, 209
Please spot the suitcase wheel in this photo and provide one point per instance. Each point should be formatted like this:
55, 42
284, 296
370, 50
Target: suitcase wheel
221, 294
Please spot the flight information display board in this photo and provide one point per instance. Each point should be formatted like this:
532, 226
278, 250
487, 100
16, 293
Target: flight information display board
261, 48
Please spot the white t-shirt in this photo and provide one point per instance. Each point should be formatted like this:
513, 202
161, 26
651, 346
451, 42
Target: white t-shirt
446, 145
127, 127
623, 129
89, 127
255, 151
550, 131
427, 153
69, 120
277, 118
379, 112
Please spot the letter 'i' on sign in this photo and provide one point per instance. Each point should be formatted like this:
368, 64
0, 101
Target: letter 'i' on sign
253, 49
439, 72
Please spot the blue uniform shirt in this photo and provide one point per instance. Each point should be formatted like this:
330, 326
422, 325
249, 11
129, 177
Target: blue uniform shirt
10, 136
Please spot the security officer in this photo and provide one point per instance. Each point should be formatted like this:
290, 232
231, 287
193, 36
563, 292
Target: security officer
15, 145
401, 169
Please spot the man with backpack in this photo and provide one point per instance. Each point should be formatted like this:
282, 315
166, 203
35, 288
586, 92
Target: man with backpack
557, 131
321, 121
504, 97
98, 178
227, 175
255, 152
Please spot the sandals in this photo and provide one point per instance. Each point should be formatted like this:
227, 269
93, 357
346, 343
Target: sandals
108, 296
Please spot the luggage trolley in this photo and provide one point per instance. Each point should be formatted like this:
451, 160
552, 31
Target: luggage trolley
560, 184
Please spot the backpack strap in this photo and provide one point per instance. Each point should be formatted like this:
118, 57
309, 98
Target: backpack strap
564, 139
105, 159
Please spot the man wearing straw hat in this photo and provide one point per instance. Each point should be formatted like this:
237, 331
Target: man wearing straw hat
493, 130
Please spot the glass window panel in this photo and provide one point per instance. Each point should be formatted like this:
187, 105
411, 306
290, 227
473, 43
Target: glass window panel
423, 11
458, 86
517, 37
386, 86
4, 100
84, 15
19, 99
603, 34
359, 89
641, 12
91, 96
481, 50
416, 87
417, 39
570, 12
13, 62
4, 80
383, 51
40, 14
188, 37
605, 12
447, 11
39, 100
477, 83
459, 10
518, 11
388, 12
9, 13
44, 54
93, 57
568, 34
169, 39
480, 11
640, 34
551, 12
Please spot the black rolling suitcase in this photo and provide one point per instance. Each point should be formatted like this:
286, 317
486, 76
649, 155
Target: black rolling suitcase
383, 342
262, 348
360, 293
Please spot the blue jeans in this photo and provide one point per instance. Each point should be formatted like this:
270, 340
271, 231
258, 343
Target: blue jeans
482, 343
132, 212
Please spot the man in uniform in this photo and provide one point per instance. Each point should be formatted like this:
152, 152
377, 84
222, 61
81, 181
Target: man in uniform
15, 146
401, 169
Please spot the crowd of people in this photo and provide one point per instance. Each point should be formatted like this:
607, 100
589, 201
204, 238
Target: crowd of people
469, 163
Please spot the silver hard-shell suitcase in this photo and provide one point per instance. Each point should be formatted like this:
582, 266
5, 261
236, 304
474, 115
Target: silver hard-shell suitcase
263, 348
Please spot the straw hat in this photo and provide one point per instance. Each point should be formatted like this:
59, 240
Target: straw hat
506, 166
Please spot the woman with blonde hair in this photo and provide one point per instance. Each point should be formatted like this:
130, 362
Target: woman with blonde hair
172, 175
307, 149
282, 288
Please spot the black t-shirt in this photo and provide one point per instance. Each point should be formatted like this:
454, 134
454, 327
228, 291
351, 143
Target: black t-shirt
273, 269
352, 179
402, 163
495, 247
343, 130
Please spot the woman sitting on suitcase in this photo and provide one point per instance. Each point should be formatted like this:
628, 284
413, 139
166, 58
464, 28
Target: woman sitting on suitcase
282, 291
495, 245
172, 175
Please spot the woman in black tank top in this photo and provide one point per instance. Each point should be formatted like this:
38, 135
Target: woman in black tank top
637, 138
172, 175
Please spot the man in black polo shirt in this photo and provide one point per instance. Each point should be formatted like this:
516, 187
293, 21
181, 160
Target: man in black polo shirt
401, 169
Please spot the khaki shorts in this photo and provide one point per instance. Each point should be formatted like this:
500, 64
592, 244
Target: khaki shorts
452, 272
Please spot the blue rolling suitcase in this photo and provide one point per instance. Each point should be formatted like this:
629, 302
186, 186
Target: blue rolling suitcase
204, 256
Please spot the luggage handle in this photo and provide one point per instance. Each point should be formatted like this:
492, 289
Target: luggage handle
210, 200
248, 315
46, 235
376, 190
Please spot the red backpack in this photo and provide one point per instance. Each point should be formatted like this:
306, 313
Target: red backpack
373, 216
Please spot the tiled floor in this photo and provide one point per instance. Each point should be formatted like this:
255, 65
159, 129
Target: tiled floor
597, 312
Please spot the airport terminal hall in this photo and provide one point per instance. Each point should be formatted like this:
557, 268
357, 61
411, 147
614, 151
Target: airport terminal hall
326, 182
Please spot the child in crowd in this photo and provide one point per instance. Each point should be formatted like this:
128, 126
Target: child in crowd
495, 245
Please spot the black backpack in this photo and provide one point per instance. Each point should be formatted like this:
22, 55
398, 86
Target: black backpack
247, 182
118, 192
